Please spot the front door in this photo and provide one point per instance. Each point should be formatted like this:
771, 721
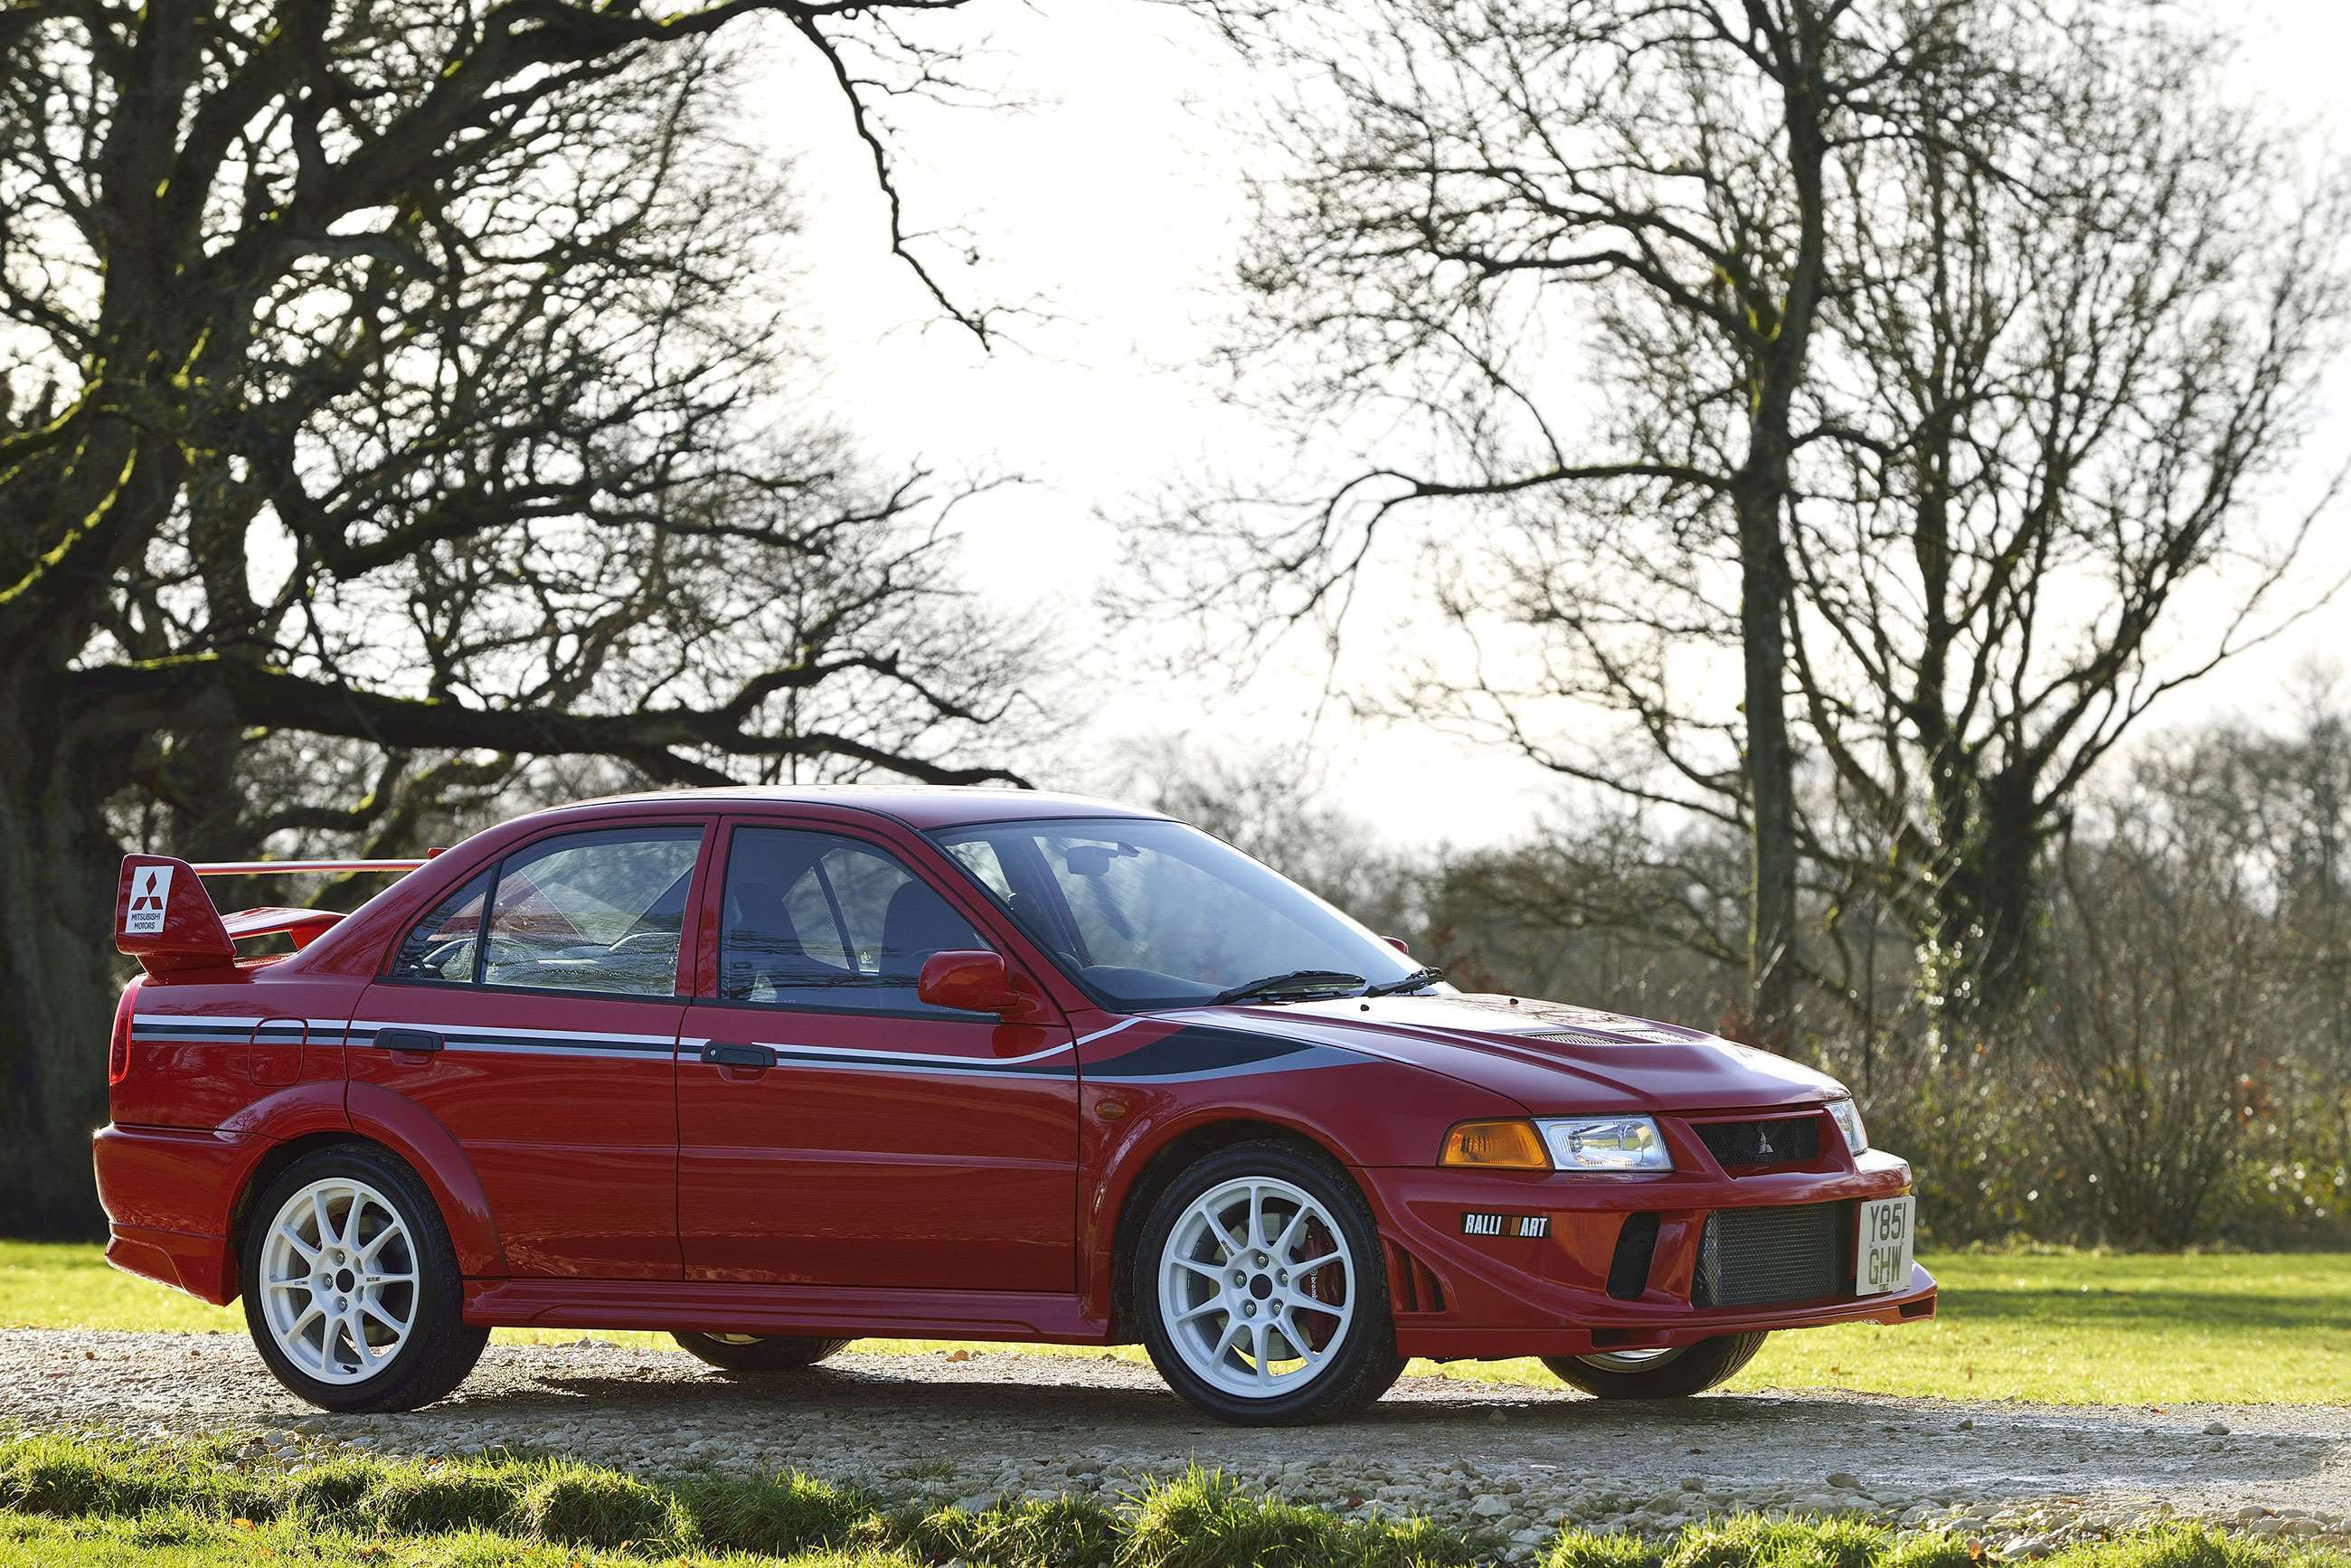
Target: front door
832, 1129
535, 1015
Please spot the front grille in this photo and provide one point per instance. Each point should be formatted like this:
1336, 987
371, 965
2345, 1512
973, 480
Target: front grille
1762, 1257
1787, 1141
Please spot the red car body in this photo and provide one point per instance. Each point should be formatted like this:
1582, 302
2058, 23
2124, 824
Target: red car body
973, 1178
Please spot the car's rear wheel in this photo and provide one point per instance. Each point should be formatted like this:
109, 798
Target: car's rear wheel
1671, 1374
352, 1291
1260, 1290
756, 1353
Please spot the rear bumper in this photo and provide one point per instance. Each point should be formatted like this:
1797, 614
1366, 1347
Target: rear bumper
1497, 1296
167, 1192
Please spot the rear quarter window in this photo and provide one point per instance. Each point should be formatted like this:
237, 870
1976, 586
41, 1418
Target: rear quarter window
440, 947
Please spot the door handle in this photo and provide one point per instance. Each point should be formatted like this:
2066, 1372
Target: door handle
727, 1053
415, 1042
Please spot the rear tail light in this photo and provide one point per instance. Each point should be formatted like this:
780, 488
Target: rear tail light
118, 1051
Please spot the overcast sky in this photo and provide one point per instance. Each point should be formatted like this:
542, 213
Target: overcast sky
1115, 199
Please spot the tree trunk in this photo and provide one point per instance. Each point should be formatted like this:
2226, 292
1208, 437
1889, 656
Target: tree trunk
1987, 894
1770, 767
2009, 891
58, 969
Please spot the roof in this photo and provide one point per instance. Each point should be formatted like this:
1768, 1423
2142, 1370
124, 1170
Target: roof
920, 806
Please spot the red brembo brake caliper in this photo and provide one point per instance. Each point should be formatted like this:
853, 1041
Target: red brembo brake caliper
1325, 1285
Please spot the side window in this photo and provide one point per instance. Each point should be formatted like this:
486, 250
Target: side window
441, 945
813, 920
593, 911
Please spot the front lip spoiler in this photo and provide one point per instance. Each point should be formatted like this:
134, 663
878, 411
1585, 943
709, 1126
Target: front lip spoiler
1636, 1327
1632, 1328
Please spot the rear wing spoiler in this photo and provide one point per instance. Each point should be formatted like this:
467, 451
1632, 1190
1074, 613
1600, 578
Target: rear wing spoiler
165, 919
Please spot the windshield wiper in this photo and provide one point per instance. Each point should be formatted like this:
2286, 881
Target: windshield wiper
1412, 982
1295, 980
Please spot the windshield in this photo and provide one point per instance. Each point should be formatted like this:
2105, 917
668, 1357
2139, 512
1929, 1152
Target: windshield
1155, 914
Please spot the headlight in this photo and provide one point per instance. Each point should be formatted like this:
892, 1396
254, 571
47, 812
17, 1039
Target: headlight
1605, 1143
1848, 1121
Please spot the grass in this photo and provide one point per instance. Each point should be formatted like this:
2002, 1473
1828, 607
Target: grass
201, 1505
2052, 1326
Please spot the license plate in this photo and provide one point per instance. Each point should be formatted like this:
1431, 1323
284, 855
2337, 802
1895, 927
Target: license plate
1882, 1261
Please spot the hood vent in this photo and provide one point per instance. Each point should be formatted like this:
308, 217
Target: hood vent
1629, 1033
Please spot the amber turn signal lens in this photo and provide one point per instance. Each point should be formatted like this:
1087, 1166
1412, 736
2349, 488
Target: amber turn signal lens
1496, 1146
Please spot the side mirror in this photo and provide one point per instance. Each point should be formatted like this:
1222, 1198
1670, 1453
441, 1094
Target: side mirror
1398, 943
968, 979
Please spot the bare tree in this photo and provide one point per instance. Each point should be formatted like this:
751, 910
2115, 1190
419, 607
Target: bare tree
1814, 410
1658, 185
2076, 377
407, 374
2164, 1012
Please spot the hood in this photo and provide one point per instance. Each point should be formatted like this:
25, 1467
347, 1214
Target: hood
1552, 1058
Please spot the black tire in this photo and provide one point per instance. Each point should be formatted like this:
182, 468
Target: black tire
756, 1353
441, 1348
1693, 1370
1365, 1365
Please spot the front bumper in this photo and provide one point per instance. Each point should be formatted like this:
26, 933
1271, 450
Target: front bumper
1488, 1297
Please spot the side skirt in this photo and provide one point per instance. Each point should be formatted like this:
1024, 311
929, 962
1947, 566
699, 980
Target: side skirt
829, 1311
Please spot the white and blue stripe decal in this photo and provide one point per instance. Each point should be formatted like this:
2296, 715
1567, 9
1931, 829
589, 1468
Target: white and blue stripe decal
1187, 1054
163, 1029
1198, 1050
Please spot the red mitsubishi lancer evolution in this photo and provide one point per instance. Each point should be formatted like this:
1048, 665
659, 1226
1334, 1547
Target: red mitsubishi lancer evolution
771, 1069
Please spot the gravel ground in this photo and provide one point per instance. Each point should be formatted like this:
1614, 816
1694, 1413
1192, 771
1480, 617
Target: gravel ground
1514, 1462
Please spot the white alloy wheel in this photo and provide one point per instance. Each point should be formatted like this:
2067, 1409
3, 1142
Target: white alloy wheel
1631, 1360
1256, 1288
338, 1281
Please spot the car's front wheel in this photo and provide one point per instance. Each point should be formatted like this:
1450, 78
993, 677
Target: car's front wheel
756, 1353
1260, 1290
1671, 1374
352, 1291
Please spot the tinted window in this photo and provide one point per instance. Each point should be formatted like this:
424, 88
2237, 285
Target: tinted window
813, 920
441, 947
593, 911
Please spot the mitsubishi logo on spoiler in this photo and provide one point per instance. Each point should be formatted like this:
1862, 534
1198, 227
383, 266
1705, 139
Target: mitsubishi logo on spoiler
151, 886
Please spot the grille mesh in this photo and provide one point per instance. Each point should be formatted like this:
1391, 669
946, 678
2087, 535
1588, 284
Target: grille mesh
1790, 1139
1762, 1257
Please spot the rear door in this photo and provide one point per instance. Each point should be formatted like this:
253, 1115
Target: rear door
535, 1013
873, 1140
